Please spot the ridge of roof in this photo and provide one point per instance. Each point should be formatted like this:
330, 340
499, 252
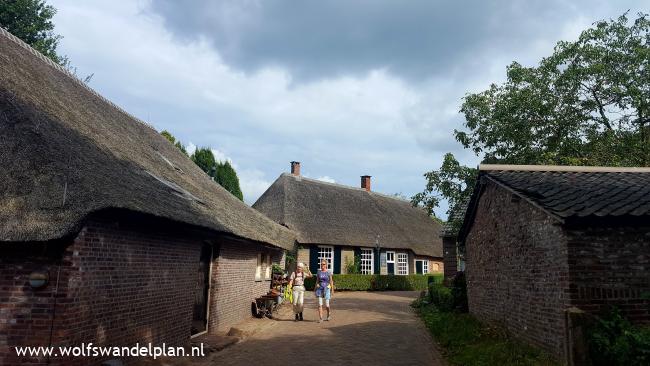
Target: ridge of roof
563, 168
339, 185
5, 33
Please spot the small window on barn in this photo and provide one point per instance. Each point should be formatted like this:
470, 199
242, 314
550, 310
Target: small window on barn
258, 269
267, 273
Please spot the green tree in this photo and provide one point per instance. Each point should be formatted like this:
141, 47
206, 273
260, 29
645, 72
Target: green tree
174, 142
31, 21
204, 158
586, 104
226, 176
453, 182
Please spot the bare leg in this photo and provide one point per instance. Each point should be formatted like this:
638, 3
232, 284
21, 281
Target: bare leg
320, 312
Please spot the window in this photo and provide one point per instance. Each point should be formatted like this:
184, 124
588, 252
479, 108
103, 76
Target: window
326, 253
267, 274
367, 263
422, 265
402, 264
258, 269
390, 257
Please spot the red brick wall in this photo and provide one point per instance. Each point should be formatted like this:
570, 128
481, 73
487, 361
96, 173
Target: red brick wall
119, 283
25, 313
611, 266
233, 286
517, 269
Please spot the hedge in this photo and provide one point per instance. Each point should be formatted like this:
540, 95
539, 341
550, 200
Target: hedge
361, 282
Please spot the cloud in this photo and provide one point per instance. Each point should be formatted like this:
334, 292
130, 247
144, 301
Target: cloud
328, 39
347, 88
327, 179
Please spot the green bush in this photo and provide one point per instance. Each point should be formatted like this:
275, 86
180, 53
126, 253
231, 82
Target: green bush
441, 297
459, 292
360, 282
614, 341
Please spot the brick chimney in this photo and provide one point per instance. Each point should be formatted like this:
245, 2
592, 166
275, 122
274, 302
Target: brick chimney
365, 182
295, 168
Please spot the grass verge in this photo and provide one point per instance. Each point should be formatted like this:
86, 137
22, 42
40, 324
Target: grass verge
466, 341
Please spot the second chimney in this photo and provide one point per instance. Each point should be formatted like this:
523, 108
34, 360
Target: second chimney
295, 167
365, 182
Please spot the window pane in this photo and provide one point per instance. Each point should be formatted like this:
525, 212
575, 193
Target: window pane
366, 261
326, 253
402, 264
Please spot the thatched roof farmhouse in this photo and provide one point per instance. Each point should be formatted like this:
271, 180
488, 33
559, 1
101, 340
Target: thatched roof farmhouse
108, 233
336, 221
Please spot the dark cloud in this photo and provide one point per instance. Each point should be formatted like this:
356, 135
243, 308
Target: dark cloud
316, 39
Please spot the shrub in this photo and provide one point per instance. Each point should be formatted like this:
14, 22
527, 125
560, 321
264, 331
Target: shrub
360, 282
459, 292
441, 297
614, 341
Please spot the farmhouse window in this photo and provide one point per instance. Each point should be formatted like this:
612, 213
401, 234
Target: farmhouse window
267, 273
402, 264
258, 269
367, 263
327, 253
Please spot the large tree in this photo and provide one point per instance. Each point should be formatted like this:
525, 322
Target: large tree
227, 177
31, 21
586, 104
222, 172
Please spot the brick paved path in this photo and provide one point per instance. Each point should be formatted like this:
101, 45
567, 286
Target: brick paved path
367, 328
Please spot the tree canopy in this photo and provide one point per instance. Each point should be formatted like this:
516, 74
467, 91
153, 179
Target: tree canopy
227, 177
31, 21
586, 104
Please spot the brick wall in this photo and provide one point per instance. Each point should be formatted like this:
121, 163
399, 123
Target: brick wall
611, 266
233, 286
119, 283
517, 269
26, 313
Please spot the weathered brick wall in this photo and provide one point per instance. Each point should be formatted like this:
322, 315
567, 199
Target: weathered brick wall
26, 313
611, 266
233, 286
517, 269
131, 282
119, 283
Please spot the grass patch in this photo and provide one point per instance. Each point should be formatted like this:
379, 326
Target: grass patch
466, 341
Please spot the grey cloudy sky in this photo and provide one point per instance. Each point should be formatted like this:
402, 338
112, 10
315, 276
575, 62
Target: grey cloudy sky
346, 87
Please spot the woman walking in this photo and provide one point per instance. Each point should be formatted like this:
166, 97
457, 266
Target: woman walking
297, 281
324, 290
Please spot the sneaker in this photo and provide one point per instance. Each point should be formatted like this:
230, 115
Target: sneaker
320, 320
297, 318
301, 316
327, 319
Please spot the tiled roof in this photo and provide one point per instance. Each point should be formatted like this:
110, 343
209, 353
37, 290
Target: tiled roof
580, 192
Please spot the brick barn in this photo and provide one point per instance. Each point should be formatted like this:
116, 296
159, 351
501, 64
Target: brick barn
339, 223
109, 234
541, 239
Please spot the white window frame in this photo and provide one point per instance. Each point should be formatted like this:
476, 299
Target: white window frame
267, 273
365, 269
392, 253
258, 268
402, 271
329, 250
425, 265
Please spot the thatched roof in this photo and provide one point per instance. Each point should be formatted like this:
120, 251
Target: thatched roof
327, 213
66, 152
